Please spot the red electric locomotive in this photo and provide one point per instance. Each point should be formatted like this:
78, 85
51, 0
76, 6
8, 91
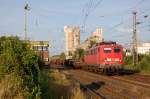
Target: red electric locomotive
105, 57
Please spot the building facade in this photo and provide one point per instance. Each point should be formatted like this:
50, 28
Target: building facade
72, 39
41, 48
143, 48
96, 36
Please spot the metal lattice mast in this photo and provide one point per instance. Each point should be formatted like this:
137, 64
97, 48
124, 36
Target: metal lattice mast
134, 47
26, 9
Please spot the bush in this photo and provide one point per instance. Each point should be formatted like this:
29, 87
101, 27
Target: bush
128, 60
144, 64
22, 65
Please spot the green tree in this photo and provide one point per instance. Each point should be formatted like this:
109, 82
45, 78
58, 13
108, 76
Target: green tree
79, 54
63, 56
92, 42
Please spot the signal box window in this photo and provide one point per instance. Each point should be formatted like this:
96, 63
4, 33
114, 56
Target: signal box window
45, 48
35, 48
117, 50
107, 50
40, 48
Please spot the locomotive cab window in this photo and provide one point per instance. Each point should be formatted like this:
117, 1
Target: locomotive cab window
107, 50
117, 50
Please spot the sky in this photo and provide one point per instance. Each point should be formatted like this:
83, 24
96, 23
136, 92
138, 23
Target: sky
47, 18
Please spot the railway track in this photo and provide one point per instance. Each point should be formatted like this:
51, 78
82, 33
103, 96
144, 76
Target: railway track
114, 87
92, 94
105, 93
135, 81
132, 81
127, 80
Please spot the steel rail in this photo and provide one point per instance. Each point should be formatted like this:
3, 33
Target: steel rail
133, 82
93, 92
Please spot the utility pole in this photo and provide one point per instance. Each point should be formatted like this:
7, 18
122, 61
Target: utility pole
134, 47
26, 9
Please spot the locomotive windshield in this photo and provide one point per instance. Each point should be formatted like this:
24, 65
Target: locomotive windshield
107, 50
117, 50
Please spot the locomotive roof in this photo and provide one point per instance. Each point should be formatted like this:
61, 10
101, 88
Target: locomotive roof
104, 43
107, 42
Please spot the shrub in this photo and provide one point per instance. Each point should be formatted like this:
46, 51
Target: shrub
22, 65
144, 64
128, 60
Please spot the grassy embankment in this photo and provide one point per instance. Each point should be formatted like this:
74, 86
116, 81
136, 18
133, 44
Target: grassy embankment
22, 75
60, 87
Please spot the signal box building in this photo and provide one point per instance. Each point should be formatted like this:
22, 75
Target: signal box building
41, 48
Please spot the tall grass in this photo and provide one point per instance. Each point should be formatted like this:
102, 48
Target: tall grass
63, 88
77, 93
10, 88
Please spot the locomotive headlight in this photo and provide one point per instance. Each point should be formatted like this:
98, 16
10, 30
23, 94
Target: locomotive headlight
108, 59
117, 59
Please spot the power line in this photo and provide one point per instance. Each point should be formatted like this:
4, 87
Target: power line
122, 22
138, 3
125, 11
146, 10
146, 21
117, 25
90, 6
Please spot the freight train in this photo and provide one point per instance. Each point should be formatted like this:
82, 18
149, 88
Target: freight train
105, 57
